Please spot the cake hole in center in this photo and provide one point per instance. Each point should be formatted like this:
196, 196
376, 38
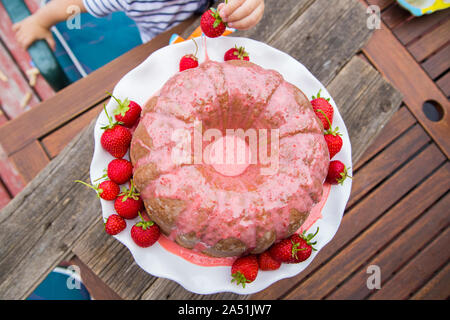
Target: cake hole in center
230, 156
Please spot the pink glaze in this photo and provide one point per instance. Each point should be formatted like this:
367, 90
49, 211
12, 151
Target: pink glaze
207, 261
247, 206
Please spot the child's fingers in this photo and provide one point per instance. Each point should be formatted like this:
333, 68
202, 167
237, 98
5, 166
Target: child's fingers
250, 20
50, 41
243, 11
229, 8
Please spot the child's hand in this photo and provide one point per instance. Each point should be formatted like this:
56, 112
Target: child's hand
29, 30
241, 14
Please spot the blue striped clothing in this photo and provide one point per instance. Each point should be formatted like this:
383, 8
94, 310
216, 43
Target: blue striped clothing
151, 16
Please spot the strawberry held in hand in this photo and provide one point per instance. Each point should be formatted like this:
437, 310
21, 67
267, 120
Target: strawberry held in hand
145, 233
244, 270
116, 138
128, 203
107, 190
324, 110
127, 112
236, 54
337, 173
115, 224
212, 24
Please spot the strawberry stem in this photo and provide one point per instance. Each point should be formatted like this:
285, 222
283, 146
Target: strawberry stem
344, 175
144, 224
239, 278
196, 48
123, 107
99, 191
130, 193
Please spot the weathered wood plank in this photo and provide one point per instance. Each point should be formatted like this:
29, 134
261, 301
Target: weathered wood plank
10, 175
400, 250
332, 33
66, 105
15, 89
363, 96
401, 121
389, 56
430, 42
30, 160
364, 213
369, 242
404, 283
437, 288
387, 162
58, 209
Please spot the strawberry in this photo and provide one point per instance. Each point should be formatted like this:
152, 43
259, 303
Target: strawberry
334, 141
244, 270
323, 109
127, 112
116, 138
107, 190
266, 262
128, 203
115, 224
189, 61
337, 173
302, 247
236, 54
145, 233
212, 24
120, 170
282, 250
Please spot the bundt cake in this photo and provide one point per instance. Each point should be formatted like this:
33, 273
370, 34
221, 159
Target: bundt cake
220, 209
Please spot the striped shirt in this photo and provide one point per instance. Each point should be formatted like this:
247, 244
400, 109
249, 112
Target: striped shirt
151, 16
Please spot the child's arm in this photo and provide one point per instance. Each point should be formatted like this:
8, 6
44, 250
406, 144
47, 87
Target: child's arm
242, 14
37, 26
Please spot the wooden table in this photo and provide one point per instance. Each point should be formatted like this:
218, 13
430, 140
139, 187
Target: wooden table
53, 219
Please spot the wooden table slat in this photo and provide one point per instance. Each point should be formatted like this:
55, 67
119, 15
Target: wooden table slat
437, 288
438, 63
352, 256
430, 43
31, 160
388, 162
364, 213
388, 55
55, 142
416, 27
401, 121
400, 250
404, 283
